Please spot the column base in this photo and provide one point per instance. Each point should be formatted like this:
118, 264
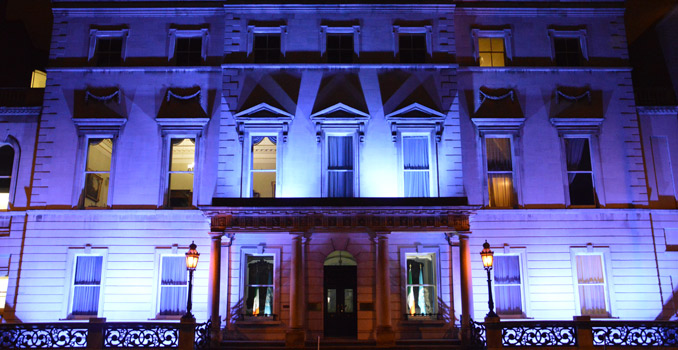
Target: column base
385, 336
295, 339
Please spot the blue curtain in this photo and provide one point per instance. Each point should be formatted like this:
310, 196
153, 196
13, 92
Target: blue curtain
173, 288
415, 163
257, 139
340, 166
507, 284
87, 285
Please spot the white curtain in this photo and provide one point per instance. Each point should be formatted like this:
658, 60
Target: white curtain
507, 284
173, 287
574, 149
499, 171
87, 285
340, 166
416, 165
591, 284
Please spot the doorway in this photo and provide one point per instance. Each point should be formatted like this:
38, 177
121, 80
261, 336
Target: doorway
340, 302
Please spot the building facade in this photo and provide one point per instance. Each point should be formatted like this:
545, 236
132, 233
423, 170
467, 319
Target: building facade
339, 167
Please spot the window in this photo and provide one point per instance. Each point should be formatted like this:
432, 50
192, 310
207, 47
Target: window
591, 285
340, 166
97, 172
491, 52
340, 48
6, 170
568, 52
109, 52
579, 171
508, 285
412, 48
86, 285
38, 79
4, 280
188, 47
263, 167
499, 172
181, 166
416, 169
173, 285
421, 284
259, 286
267, 48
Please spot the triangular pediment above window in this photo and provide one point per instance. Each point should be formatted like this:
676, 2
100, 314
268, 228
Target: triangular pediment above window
339, 111
418, 116
263, 116
340, 116
263, 111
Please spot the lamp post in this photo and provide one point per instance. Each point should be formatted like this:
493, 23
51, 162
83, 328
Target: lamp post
488, 259
192, 257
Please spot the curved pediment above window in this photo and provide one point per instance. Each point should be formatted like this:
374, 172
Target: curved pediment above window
263, 116
340, 116
102, 102
183, 103
416, 116
577, 125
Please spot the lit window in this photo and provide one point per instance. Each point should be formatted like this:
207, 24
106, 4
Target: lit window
259, 286
264, 159
4, 281
491, 52
421, 285
499, 172
182, 164
6, 167
340, 48
38, 79
416, 170
173, 285
579, 172
267, 48
109, 51
591, 285
340, 166
86, 285
97, 172
188, 51
412, 48
508, 285
567, 51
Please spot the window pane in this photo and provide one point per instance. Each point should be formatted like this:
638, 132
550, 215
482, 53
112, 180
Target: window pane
497, 59
589, 269
340, 48
340, 152
415, 152
417, 184
508, 300
484, 45
340, 183
85, 300
174, 271
420, 269
99, 153
182, 155
592, 300
263, 184
38, 79
264, 153
88, 270
348, 300
498, 154
96, 189
591, 284
172, 300
181, 189
578, 154
507, 269
6, 160
259, 270
259, 281
497, 44
421, 300
581, 189
501, 190
331, 300
87, 278
4, 281
486, 59
173, 286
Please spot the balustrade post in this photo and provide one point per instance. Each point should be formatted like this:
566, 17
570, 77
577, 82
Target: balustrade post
186, 333
95, 333
584, 332
493, 333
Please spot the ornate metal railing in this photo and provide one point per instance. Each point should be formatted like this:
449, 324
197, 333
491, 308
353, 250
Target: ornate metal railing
478, 335
43, 336
650, 334
202, 335
147, 335
538, 334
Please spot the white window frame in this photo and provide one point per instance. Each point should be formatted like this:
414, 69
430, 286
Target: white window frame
157, 277
423, 250
113, 139
261, 250
247, 159
426, 30
580, 34
514, 172
593, 172
5, 260
521, 252
69, 280
604, 253
325, 30
432, 158
96, 34
352, 132
12, 142
254, 30
506, 34
174, 34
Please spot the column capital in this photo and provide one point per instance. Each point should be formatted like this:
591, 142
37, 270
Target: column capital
216, 235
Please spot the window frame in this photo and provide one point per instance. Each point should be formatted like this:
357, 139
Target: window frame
252, 31
421, 250
606, 261
594, 178
354, 134
329, 30
580, 34
427, 30
506, 34
83, 168
486, 172
521, 252
96, 34
261, 250
14, 144
69, 283
157, 277
432, 158
247, 186
175, 34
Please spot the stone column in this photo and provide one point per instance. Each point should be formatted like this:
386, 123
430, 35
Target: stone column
385, 335
296, 335
214, 287
466, 285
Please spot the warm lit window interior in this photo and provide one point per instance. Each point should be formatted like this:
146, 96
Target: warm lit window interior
97, 172
421, 285
4, 280
340, 166
507, 285
491, 52
499, 171
579, 172
173, 285
38, 79
259, 286
86, 285
591, 284
264, 156
182, 163
6, 167
416, 166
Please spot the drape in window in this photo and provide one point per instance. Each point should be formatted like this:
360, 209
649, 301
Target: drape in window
498, 152
574, 148
499, 172
257, 139
501, 189
591, 285
340, 166
507, 284
173, 288
259, 299
416, 165
86, 285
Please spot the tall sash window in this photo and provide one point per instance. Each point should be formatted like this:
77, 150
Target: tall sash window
579, 171
264, 161
508, 284
6, 168
182, 165
591, 285
416, 169
340, 166
173, 285
259, 286
421, 285
86, 285
499, 172
97, 172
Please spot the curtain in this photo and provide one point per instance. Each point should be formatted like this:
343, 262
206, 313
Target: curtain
507, 284
257, 139
173, 285
87, 285
574, 149
340, 166
501, 189
498, 154
499, 171
415, 157
591, 285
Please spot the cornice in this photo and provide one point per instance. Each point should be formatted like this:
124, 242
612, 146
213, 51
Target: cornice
20, 111
165, 69
137, 11
415, 66
657, 110
514, 69
535, 11
314, 8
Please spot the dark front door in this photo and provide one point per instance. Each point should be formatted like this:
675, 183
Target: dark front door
341, 316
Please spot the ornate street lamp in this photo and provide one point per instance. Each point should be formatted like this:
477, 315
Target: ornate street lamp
192, 257
488, 259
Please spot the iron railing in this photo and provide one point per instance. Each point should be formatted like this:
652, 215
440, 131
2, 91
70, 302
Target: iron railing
620, 333
43, 336
542, 333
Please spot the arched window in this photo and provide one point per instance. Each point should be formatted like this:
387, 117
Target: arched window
6, 167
